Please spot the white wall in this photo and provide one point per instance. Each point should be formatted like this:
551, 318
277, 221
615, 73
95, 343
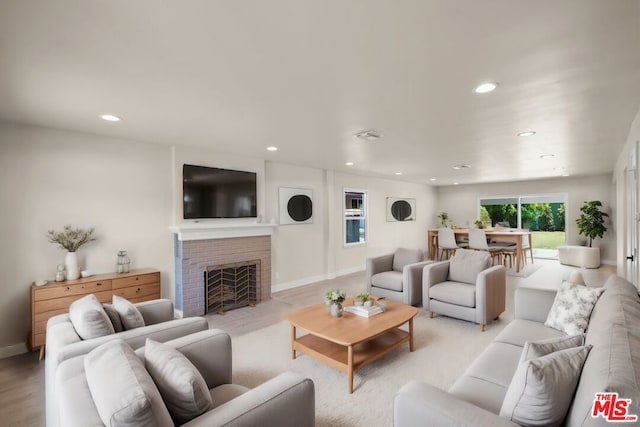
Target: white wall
383, 236
622, 197
461, 202
51, 178
298, 251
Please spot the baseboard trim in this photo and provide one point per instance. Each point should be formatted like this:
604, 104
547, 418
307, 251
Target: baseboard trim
13, 350
313, 279
297, 283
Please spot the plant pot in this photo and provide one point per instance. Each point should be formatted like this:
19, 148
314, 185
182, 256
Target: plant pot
368, 304
336, 310
71, 264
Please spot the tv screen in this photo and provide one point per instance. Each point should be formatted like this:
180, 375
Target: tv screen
218, 193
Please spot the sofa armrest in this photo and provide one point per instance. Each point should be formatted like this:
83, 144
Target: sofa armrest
156, 311
432, 274
418, 403
491, 294
412, 282
287, 400
378, 264
533, 304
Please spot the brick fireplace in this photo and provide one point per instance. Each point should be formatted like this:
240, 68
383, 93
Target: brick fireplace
200, 247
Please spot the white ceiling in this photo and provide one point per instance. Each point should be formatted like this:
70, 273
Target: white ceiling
305, 75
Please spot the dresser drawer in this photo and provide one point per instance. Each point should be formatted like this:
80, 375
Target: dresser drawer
64, 303
141, 279
82, 289
150, 290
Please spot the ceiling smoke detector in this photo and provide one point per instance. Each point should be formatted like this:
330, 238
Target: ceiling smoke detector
369, 135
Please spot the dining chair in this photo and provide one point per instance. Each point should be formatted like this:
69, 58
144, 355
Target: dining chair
478, 242
510, 252
447, 242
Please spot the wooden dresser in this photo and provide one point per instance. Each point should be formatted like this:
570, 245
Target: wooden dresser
55, 297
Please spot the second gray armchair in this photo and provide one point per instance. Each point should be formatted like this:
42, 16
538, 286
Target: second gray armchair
465, 287
397, 276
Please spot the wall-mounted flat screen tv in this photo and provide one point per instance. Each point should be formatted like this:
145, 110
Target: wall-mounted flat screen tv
218, 193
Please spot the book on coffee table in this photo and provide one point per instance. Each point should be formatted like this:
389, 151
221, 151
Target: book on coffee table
362, 311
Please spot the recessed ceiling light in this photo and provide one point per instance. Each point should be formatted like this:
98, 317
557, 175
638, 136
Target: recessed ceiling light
110, 118
456, 183
458, 167
565, 174
349, 164
527, 133
547, 156
369, 135
486, 87
398, 173
272, 148
433, 179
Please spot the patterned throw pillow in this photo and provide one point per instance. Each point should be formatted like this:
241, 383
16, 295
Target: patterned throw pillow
572, 308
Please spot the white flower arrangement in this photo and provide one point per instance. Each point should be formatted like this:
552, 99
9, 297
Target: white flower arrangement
335, 296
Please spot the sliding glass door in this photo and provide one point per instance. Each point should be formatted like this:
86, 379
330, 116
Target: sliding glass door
544, 215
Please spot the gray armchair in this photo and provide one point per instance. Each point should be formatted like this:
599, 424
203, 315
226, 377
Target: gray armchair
465, 287
397, 276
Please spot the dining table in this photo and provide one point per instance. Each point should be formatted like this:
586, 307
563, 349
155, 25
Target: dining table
505, 235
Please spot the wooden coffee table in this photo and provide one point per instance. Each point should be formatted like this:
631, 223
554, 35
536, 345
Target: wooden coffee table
349, 342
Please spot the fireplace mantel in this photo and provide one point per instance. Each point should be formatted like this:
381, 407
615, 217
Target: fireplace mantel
220, 230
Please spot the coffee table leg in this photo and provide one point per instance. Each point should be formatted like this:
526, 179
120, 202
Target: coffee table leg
293, 341
350, 368
411, 334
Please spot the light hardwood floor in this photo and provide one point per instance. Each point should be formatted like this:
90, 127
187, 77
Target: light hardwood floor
22, 377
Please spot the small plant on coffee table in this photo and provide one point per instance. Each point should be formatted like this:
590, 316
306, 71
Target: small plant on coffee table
362, 298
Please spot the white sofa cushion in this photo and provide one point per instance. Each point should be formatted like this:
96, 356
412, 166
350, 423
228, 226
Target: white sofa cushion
536, 349
129, 314
122, 389
114, 317
541, 390
572, 308
182, 387
89, 318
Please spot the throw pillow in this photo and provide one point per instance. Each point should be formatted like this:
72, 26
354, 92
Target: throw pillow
121, 388
114, 317
572, 308
542, 389
129, 314
535, 349
89, 318
182, 387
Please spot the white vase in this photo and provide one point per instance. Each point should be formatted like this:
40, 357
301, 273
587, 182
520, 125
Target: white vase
336, 310
71, 263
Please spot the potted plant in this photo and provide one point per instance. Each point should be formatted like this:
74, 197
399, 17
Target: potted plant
362, 298
591, 220
71, 239
444, 218
478, 223
334, 299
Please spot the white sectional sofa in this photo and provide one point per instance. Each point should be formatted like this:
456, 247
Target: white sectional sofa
64, 343
475, 399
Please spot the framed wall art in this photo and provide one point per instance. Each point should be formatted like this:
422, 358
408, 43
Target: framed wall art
400, 210
296, 205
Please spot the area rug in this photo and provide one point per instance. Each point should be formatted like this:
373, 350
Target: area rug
444, 348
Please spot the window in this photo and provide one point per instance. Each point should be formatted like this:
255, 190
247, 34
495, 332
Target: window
355, 217
543, 214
